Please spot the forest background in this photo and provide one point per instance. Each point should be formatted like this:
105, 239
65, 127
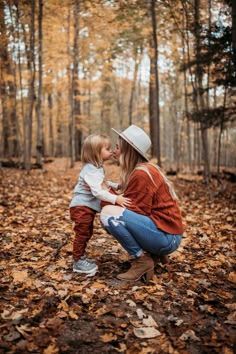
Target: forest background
72, 68
69, 68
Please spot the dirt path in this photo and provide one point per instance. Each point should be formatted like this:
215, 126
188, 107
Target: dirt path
45, 308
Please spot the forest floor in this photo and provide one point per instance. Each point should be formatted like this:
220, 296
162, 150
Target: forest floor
45, 308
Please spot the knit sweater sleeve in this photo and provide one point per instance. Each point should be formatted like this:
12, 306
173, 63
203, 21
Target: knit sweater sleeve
140, 191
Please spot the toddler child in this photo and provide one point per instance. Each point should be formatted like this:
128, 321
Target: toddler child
90, 189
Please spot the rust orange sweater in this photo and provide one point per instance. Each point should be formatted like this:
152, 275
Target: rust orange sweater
154, 201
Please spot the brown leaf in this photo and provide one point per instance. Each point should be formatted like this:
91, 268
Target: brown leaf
51, 349
232, 277
19, 276
108, 337
190, 334
146, 332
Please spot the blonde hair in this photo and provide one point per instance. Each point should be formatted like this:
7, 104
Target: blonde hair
92, 148
130, 158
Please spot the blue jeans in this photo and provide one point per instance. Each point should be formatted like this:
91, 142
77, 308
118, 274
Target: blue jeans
137, 233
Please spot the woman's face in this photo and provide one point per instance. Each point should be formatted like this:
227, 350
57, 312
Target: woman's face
116, 151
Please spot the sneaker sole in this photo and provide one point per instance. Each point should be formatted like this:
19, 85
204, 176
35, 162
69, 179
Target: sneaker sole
89, 274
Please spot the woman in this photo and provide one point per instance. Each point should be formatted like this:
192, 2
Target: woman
152, 226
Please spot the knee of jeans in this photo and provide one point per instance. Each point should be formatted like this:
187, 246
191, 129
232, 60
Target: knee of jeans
115, 221
106, 218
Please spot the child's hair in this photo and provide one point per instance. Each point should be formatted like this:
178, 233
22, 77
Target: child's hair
129, 159
92, 148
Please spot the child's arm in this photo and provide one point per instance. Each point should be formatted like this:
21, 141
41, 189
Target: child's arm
94, 179
113, 185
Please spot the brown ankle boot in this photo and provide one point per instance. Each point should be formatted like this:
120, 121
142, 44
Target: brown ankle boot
160, 259
143, 265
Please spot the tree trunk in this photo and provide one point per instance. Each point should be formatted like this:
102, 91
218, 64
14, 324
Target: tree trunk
31, 94
70, 131
39, 146
154, 109
200, 99
186, 108
137, 59
75, 133
8, 93
51, 134
234, 33
106, 97
3, 89
15, 127
220, 134
20, 70
59, 138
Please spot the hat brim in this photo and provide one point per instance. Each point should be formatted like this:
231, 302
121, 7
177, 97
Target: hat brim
130, 143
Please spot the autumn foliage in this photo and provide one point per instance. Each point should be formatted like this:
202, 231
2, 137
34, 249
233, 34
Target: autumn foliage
45, 308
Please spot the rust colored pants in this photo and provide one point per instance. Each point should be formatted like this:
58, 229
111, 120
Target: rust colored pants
83, 218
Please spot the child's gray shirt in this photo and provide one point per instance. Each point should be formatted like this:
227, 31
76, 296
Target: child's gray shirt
88, 190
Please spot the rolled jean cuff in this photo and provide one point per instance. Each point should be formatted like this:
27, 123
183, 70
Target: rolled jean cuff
138, 254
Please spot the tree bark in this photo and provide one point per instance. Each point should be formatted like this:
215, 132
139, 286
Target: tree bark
186, 106
220, 134
51, 131
137, 59
8, 92
234, 32
200, 99
39, 146
75, 133
31, 93
154, 109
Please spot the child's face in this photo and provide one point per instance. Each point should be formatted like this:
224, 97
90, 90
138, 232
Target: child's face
106, 152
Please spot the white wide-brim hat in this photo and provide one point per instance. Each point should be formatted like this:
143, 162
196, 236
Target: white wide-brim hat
137, 138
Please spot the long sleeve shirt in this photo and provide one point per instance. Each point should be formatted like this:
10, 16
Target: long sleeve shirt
89, 189
151, 197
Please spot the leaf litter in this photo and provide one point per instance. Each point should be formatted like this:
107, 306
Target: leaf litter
45, 308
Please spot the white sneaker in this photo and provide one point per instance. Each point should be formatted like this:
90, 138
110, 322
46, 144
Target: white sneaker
83, 266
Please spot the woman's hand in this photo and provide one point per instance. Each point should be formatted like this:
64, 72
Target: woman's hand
124, 202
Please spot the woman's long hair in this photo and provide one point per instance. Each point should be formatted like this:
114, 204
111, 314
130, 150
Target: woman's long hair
130, 158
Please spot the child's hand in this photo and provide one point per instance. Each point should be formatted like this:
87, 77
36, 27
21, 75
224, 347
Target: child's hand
124, 202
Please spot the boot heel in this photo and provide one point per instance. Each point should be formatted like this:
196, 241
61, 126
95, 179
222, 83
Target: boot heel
164, 259
149, 275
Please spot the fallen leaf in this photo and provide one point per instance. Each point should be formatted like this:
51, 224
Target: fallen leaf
19, 275
51, 349
149, 322
15, 315
73, 315
190, 334
231, 319
131, 303
13, 335
232, 277
108, 337
146, 332
140, 314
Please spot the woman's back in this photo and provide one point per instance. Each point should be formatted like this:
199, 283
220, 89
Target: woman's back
151, 196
